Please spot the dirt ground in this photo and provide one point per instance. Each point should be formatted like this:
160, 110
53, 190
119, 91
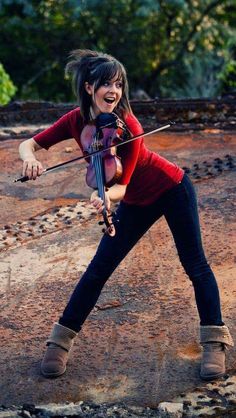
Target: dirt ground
140, 343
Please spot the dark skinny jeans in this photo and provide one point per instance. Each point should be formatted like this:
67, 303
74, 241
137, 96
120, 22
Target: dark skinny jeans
179, 206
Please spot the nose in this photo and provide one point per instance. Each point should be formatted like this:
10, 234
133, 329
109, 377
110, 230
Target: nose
113, 88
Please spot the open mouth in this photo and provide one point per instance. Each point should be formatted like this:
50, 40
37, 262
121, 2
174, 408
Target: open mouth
110, 100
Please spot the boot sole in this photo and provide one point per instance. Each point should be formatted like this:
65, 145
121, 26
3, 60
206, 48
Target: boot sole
52, 375
212, 376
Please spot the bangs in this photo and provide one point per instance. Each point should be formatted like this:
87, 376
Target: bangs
107, 71
97, 68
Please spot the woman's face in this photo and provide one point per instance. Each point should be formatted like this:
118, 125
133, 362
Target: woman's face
107, 97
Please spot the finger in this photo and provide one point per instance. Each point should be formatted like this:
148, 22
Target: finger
100, 210
24, 168
94, 199
29, 170
97, 206
40, 170
34, 171
97, 202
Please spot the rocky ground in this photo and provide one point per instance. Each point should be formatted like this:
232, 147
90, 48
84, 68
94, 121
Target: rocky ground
143, 356
214, 400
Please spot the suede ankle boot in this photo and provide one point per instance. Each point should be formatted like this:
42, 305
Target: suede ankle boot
58, 346
215, 340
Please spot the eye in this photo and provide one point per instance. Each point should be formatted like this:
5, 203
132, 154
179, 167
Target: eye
106, 83
119, 85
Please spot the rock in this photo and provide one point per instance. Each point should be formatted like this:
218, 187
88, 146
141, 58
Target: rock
140, 94
108, 305
29, 407
68, 410
10, 414
171, 409
227, 389
25, 414
192, 115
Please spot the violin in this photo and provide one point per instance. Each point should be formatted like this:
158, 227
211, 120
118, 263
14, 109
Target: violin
104, 168
103, 172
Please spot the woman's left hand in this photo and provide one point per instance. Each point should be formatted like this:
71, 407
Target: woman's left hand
98, 203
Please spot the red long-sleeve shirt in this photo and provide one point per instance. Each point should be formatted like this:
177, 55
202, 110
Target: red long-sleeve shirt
146, 174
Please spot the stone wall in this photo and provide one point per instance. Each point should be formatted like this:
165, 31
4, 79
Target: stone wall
185, 113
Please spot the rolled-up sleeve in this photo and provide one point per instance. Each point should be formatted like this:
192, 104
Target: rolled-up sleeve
59, 131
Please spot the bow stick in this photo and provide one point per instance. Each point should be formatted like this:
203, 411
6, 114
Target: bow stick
55, 167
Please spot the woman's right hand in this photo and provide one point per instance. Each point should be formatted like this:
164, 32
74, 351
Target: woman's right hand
32, 168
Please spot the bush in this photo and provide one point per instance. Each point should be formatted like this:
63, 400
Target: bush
7, 88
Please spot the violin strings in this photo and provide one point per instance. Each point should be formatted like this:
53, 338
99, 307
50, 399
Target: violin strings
100, 179
99, 174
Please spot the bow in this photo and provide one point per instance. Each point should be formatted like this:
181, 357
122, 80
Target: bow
55, 167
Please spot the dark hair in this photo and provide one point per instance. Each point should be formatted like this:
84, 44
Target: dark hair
96, 68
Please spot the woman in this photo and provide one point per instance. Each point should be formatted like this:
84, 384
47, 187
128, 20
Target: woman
150, 187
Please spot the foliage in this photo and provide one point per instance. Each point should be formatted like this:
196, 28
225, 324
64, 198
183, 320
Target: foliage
228, 75
7, 88
170, 48
200, 77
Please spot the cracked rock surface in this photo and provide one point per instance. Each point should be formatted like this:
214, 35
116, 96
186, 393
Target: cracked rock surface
138, 353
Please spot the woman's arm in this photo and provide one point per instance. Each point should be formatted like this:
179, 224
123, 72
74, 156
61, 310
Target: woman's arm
116, 192
31, 166
59, 131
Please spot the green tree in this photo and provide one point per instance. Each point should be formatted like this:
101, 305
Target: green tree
7, 88
167, 46
228, 75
